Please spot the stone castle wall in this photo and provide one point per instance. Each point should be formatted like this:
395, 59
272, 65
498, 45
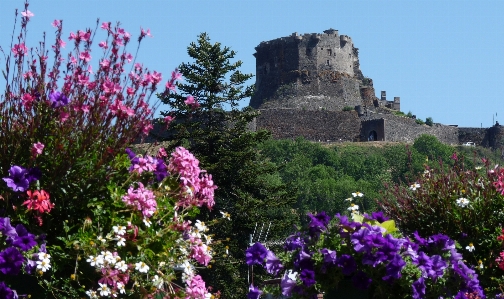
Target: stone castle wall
326, 126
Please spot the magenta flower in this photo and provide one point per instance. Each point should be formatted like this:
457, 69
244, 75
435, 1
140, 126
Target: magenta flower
18, 179
37, 149
191, 102
196, 288
58, 99
19, 50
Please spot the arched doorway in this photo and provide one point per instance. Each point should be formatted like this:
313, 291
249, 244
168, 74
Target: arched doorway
372, 136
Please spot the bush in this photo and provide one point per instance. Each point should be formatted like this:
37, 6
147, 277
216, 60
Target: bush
348, 108
465, 204
429, 121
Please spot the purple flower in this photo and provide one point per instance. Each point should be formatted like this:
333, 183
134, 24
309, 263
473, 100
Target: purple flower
378, 216
256, 254
30, 266
254, 292
273, 264
307, 276
438, 266
58, 99
361, 280
17, 180
348, 264
418, 288
5, 291
6, 228
419, 240
288, 282
25, 241
11, 261
294, 242
303, 260
318, 223
393, 269
442, 241
161, 171
423, 261
34, 174
358, 240
329, 256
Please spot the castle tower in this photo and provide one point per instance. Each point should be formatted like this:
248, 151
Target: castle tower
309, 71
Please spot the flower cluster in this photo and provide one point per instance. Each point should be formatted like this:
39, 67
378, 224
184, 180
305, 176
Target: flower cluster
23, 252
197, 185
178, 242
329, 251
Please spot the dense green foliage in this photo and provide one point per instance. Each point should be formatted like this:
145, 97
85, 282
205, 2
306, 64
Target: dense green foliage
249, 188
326, 175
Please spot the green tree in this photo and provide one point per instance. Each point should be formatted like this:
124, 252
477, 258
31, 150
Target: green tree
249, 187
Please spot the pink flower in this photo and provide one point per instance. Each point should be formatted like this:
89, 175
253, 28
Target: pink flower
176, 75
38, 201
170, 85
90, 69
196, 288
162, 153
62, 43
144, 33
72, 36
27, 100
129, 57
27, 14
141, 199
73, 60
19, 49
56, 23
105, 26
156, 77
37, 149
168, 119
85, 36
200, 254
190, 101
85, 56
63, 116
147, 128
103, 45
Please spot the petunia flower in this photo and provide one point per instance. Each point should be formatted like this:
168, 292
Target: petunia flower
17, 179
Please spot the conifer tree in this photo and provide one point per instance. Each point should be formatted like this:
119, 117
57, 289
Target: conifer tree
208, 121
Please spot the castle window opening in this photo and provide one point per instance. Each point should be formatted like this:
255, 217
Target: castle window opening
329, 52
327, 62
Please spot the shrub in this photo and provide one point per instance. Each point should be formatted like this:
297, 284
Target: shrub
465, 204
348, 108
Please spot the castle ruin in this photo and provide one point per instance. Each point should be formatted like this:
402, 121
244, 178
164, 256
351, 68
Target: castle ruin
311, 85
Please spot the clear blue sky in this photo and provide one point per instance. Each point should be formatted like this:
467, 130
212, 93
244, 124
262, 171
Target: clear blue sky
442, 57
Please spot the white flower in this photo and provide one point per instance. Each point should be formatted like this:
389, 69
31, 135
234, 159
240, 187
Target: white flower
95, 261
201, 226
349, 199
462, 202
92, 294
157, 281
480, 264
102, 239
121, 266
225, 215
141, 267
357, 194
292, 275
43, 256
414, 186
188, 268
121, 241
43, 265
353, 207
477, 167
120, 230
104, 289
108, 257
147, 222
208, 239
470, 247
120, 287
